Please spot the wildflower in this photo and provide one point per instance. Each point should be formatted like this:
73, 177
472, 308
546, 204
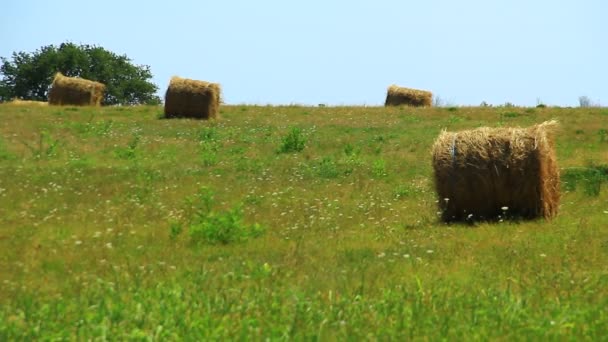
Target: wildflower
429, 251
505, 208
543, 255
381, 255
78, 242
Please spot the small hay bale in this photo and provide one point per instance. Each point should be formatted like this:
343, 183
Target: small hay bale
489, 173
397, 96
75, 91
19, 102
187, 98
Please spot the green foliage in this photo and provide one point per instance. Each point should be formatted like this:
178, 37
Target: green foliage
591, 178
130, 151
603, 133
5, 154
28, 75
327, 168
96, 247
208, 153
208, 134
214, 227
46, 148
209, 145
294, 141
223, 228
379, 168
510, 115
404, 191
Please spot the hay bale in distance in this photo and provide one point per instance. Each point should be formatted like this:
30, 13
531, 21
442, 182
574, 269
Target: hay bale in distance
486, 172
192, 99
397, 96
19, 102
75, 91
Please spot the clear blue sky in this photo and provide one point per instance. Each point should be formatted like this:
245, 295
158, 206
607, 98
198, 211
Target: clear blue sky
341, 52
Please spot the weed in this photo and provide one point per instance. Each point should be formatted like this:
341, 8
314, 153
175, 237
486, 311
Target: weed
208, 134
379, 168
590, 177
327, 168
294, 141
603, 133
454, 119
404, 191
130, 151
349, 150
223, 228
5, 154
175, 229
212, 227
208, 152
509, 115
47, 146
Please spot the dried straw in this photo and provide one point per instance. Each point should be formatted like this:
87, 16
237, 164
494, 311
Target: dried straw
490, 172
75, 91
192, 99
397, 96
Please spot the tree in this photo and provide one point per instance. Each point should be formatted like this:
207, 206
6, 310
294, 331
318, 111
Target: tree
28, 75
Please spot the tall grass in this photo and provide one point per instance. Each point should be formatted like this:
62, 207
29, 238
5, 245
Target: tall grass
117, 225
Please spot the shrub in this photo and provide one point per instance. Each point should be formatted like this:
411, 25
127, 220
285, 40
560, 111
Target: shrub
294, 141
584, 101
223, 228
213, 227
328, 168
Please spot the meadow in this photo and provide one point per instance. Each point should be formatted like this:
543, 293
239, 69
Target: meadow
286, 222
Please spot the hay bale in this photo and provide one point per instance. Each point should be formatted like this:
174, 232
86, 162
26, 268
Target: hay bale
397, 96
490, 172
75, 91
192, 99
19, 102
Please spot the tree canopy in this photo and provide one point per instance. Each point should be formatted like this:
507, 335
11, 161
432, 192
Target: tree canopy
28, 75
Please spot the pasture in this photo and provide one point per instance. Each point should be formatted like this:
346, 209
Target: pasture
306, 223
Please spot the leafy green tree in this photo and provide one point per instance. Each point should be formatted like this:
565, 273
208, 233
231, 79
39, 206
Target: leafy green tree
29, 75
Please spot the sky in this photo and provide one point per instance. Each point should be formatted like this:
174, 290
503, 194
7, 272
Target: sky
341, 52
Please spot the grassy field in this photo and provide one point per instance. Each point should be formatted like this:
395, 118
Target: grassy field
285, 223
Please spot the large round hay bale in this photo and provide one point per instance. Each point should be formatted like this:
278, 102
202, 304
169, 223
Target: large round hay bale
75, 91
192, 99
397, 96
487, 173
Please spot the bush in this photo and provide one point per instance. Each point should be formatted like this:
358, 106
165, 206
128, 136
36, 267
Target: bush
328, 168
294, 141
223, 228
213, 227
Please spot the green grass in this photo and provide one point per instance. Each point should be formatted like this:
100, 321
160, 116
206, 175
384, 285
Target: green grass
285, 223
